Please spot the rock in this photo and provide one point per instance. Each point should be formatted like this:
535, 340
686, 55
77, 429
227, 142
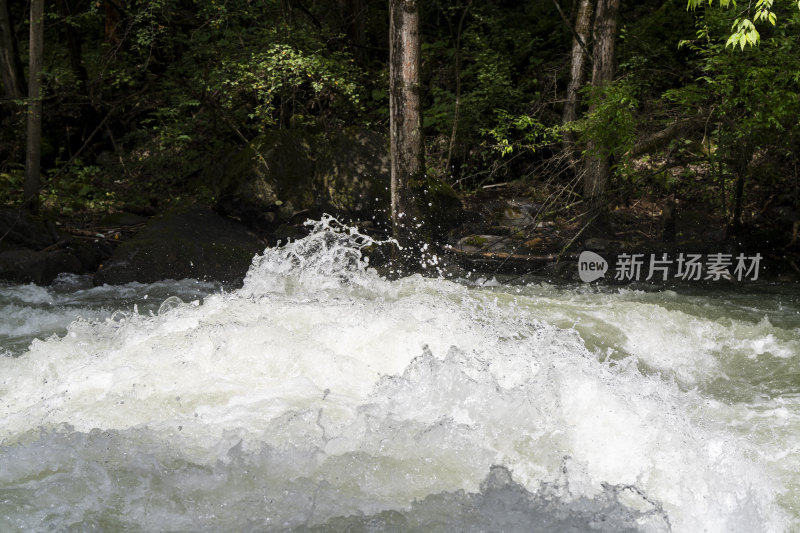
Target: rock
445, 207
290, 172
597, 244
32, 251
276, 170
31, 266
530, 208
484, 243
253, 214
20, 230
516, 214
353, 171
515, 218
535, 243
195, 243
90, 254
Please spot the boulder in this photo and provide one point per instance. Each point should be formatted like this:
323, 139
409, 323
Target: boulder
31, 266
354, 175
191, 243
275, 170
20, 230
445, 208
516, 214
293, 172
32, 251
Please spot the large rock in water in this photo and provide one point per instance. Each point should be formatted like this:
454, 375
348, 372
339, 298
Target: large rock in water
346, 175
20, 230
196, 243
30, 266
276, 169
354, 176
33, 251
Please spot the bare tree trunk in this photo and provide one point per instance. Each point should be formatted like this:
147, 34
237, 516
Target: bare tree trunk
34, 140
578, 67
405, 124
605, 32
10, 64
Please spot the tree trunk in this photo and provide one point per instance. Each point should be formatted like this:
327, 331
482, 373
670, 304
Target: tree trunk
73, 43
353, 14
578, 66
457, 74
405, 125
113, 22
605, 30
10, 64
34, 139
740, 165
738, 205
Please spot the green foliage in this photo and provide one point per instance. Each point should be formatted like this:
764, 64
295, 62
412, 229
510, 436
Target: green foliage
11, 187
518, 133
502, 51
177, 83
76, 190
743, 31
181, 82
307, 80
749, 98
609, 125
754, 92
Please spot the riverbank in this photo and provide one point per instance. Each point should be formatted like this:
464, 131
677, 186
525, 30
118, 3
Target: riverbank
505, 228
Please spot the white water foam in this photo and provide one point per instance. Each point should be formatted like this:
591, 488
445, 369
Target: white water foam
320, 391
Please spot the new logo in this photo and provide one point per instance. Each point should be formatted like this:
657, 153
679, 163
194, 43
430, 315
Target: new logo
591, 266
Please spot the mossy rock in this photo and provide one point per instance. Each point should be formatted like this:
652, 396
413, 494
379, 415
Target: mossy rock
353, 172
476, 241
347, 175
277, 168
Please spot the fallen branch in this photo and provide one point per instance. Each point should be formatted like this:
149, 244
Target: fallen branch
508, 262
56, 246
663, 137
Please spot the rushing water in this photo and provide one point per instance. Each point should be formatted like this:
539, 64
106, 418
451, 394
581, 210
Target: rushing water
322, 397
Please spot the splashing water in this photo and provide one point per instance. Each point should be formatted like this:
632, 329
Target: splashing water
322, 397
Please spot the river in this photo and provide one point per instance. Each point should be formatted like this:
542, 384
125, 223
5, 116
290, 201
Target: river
323, 397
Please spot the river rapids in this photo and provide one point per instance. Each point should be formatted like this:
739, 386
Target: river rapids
323, 397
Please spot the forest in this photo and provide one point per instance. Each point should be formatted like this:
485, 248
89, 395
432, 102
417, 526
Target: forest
546, 127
